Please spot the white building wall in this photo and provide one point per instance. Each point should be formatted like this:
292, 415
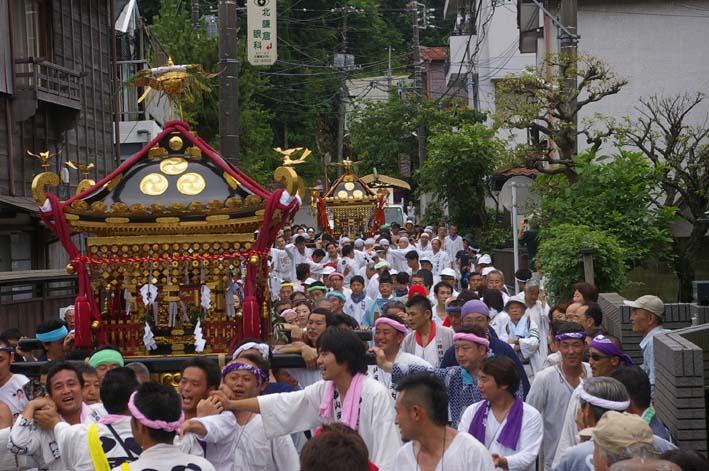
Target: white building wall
659, 46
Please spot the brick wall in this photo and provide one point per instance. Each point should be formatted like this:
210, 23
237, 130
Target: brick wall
681, 365
679, 390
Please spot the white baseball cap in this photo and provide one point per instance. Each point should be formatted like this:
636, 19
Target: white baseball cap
484, 258
449, 272
650, 303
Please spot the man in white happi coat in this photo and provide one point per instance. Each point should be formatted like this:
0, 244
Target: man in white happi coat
427, 340
389, 333
453, 243
64, 386
422, 415
345, 395
439, 258
113, 430
156, 418
552, 388
239, 437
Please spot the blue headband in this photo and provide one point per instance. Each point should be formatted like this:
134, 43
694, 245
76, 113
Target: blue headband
453, 308
52, 335
336, 294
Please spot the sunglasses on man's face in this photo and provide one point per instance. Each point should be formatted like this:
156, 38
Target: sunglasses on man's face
597, 357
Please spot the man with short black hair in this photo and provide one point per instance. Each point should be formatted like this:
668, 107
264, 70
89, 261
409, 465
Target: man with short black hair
156, 419
198, 377
427, 341
552, 388
591, 316
638, 386
64, 388
386, 294
345, 394
422, 416
113, 431
336, 443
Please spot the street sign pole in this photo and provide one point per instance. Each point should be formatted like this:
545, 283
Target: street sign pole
515, 239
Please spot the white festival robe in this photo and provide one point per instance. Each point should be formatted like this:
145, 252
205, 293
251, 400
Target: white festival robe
74, 449
402, 359
163, 457
248, 445
464, 453
299, 411
26, 439
524, 458
550, 395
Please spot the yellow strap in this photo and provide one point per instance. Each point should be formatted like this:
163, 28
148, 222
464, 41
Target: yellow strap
125, 466
98, 457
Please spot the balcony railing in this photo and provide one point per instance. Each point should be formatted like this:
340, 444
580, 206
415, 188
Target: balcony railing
158, 109
48, 82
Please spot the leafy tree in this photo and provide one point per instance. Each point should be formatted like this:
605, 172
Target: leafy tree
679, 151
459, 160
560, 260
381, 130
551, 106
613, 195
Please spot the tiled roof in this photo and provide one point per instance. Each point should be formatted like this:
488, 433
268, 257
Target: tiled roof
434, 53
516, 171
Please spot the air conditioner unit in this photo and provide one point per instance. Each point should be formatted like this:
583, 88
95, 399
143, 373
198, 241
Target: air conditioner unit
701, 292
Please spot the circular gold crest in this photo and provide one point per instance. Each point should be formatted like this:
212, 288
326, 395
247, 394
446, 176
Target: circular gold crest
191, 184
153, 184
349, 186
175, 143
357, 193
342, 194
173, 165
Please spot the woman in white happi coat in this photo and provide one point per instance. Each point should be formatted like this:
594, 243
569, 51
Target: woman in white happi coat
344, 395
510, 429
238, 437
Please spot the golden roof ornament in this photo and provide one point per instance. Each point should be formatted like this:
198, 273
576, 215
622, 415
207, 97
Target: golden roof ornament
172, 81
43, 157
287, 153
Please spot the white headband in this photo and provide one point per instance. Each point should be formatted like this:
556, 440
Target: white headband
261, 347
63, 310
620, 406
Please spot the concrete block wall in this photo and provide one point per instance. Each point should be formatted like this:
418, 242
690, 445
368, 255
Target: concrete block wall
679, 390
616, 319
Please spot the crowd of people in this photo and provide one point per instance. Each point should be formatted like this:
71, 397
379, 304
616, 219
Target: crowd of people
463, 372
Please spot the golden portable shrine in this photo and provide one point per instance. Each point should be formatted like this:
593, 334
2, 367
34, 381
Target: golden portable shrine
173, 233
352, 206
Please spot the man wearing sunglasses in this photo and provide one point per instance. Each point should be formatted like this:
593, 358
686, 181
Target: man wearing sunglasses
605, 356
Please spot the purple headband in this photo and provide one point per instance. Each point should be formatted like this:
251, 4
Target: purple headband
571, 336
154, 424
261, 376
472, 338
606, 346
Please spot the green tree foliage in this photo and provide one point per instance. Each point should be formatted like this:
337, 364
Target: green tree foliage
187, 44
459, 161
551, 106
560, 260
679, 151
613, 195
383, 130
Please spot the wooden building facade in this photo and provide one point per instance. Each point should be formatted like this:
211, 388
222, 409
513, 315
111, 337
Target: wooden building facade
57, 83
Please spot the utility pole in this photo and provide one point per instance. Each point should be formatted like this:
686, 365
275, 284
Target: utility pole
568, 42
389, 72
418, 83
228, 82
343, 91
195, 12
